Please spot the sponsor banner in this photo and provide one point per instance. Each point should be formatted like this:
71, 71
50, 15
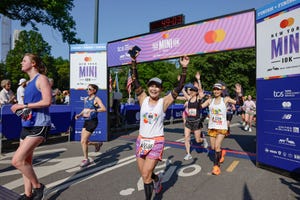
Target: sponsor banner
88, 65
278, 45
219, 34
278, 78
278, 122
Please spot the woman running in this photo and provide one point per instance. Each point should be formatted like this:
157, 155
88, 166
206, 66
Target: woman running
92, 105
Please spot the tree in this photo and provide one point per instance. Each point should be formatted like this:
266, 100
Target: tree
55, 13
28, 42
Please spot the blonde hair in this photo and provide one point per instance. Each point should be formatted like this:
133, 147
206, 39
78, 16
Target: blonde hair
5, 82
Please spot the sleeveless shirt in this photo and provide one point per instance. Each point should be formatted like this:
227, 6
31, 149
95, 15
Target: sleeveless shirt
39, 116
217, 115
89, 103
152, 119
193, 110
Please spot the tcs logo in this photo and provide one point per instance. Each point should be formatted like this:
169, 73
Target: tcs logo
214, 36
278, 94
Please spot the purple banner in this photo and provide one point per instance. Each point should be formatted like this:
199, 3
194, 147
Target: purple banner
220, 34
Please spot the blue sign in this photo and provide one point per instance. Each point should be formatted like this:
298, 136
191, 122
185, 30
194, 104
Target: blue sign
278, 80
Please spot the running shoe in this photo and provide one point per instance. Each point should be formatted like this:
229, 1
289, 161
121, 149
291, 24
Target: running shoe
246, 128
157, 184
216, 170
24, 197
38, 193
188, 157
85, 163
244, 123
98, 146
250, 130
205, 143
223, 153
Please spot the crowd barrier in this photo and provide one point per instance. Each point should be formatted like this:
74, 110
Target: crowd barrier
131, 112
10, 124
61, 118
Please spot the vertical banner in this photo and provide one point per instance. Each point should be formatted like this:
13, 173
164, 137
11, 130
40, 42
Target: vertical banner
278, 85
88, 66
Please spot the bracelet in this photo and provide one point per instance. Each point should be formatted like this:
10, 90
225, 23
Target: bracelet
25, 105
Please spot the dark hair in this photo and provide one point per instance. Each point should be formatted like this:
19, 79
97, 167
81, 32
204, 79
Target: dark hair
95, 87
41, 67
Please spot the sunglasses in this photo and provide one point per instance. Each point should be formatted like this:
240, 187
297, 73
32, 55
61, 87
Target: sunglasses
89, 89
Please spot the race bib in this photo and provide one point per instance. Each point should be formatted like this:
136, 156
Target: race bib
145, 146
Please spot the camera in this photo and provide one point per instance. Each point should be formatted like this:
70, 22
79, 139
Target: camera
134, 51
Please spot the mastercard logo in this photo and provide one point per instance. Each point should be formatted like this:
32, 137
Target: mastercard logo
165, 36
87, 59
214, 36
287, 22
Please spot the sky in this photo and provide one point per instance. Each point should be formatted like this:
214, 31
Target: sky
120, 19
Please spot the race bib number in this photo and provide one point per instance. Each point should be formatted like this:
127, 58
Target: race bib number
147, 144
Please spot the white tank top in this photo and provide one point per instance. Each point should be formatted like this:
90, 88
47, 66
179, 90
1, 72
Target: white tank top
152, 119
217, 115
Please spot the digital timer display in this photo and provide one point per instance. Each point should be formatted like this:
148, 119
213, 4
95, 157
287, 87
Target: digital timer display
166, 23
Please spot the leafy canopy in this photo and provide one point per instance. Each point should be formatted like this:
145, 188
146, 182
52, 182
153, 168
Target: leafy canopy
55, 13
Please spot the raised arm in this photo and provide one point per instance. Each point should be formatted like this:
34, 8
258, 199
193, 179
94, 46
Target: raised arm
168, 100
140, 93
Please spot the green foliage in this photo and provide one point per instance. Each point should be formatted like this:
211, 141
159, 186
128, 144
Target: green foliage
229, 67
55, 13
32, 42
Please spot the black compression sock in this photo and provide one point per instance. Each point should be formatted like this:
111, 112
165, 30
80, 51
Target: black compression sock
148, 187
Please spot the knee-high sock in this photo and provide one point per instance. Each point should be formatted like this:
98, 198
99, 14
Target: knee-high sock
217, 158
148, 187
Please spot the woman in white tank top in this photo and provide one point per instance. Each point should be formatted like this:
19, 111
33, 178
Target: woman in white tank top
150, 142
217, 125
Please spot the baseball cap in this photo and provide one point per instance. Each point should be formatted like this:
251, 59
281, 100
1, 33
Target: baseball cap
218, 85
155, 80
22, 80
194, 88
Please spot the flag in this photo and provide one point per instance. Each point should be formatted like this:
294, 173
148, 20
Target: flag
110, 83
117, 82
129, 81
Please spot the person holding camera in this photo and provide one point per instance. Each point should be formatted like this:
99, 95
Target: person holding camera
36, 123
150, 142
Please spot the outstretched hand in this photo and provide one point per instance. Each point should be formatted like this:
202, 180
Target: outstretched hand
198, 75
238, 89
184, 61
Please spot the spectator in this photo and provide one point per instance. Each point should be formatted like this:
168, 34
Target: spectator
7, 96
54, 91
66, 97
20, 91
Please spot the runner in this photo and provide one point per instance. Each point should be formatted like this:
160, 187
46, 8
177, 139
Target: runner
35, 123
150, 142
217, 125
250, 108
193, 121
92, 105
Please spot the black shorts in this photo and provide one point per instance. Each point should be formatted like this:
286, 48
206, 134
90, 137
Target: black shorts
35, 131
91, 124
229, 116
193, 124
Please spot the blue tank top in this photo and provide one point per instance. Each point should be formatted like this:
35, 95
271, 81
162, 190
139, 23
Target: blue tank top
89, 103
39, 116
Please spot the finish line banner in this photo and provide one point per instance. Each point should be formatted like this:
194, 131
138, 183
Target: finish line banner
278, 80
230, 32
88, 66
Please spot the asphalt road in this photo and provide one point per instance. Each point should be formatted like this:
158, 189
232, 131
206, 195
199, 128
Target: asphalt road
114, 174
